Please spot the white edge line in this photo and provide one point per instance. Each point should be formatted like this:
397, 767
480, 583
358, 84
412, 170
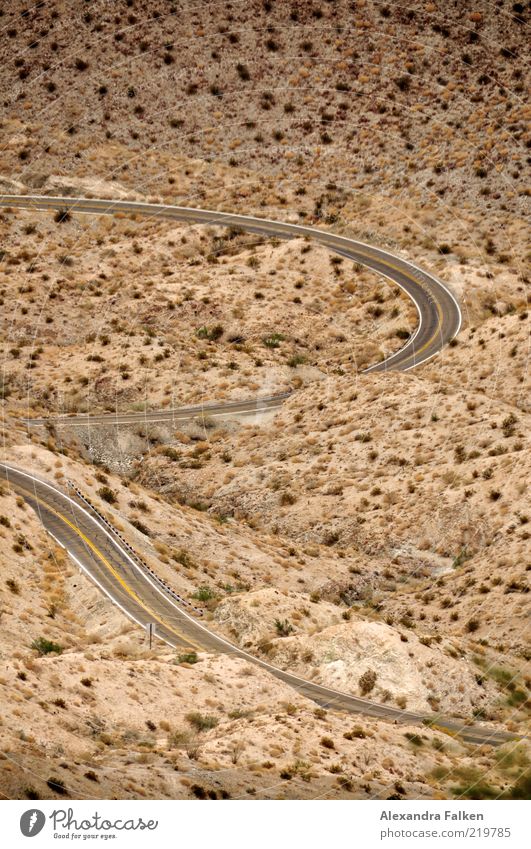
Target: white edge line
234, 649
293, 228
411, 339
75, 421
107, 533
107, 593
326, 691
108, 204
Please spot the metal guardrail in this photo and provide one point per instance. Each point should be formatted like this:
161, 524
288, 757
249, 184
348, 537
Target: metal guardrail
138, 559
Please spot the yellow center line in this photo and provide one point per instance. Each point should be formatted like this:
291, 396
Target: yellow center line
109, 566
79, 208
413, 280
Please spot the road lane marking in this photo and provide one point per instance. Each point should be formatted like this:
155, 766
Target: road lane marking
342, 701
116, 543
109, 566
170, 211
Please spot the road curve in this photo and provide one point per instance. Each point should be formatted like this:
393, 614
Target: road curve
439, 313
99, 552
102, 556
250, 407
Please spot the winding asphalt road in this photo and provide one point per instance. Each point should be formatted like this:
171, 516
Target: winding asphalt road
438, 311
101, 554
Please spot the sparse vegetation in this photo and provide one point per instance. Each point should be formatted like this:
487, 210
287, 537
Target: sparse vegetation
188, 657
283, 627
367, 681
368, 534
44, 646
202, 722
205, 593
107, 494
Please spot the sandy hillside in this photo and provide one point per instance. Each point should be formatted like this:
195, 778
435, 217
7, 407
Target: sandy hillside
373, 533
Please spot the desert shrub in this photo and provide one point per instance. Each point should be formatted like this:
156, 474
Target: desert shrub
403, 83
183, 558
61, 216
357, 733
243, 72
31, 793
287, 498
201, 721
415, 739
517, 697
367, 681
297, 360
13, 586
57, 785
508, 425
205, 593
461, 557
516, 586
273, 340
107, 494
136, 523
283, 627
213, 333
44, 646
188, 657
330, 538
327, 743
459, 454
171, 453
476, 788
198, 791
521, 789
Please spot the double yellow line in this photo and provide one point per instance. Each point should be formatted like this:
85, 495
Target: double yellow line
100, 556
410, 277
81, 205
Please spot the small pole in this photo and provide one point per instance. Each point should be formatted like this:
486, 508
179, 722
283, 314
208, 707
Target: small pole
150, 630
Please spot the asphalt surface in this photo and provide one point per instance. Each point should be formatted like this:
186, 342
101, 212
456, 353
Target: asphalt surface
250, 407
100, 554
438, 311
